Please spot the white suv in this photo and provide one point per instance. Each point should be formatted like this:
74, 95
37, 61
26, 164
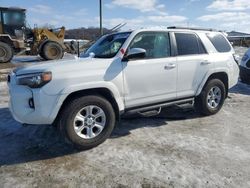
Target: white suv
126, 72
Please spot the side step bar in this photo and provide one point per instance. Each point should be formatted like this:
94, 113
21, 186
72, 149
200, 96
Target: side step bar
162, 105
154, 112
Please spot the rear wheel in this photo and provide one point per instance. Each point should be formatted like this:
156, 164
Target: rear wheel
6, 52
212, 97
52, 51
87, 121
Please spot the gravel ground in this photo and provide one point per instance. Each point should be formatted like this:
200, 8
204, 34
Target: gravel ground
178, 148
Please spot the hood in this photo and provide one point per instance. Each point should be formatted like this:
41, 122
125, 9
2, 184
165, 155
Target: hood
61, 66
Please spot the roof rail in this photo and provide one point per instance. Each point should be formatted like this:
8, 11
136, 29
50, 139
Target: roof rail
191, 28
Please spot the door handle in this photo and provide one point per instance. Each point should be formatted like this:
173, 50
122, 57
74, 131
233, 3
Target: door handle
205, 63
169, 66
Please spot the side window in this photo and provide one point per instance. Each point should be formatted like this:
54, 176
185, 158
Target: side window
157, 45
189, 44
1, 24
219, 42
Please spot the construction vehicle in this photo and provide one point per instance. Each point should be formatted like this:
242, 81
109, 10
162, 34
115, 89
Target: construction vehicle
16, 38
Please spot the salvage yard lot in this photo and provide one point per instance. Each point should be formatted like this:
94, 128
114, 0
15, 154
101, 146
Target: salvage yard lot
178, 148
172, 150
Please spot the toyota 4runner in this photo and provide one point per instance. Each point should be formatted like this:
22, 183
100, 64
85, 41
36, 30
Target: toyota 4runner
126, 72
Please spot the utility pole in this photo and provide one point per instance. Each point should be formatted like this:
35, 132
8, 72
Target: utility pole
100, 9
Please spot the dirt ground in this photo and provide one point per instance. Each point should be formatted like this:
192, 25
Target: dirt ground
178, 148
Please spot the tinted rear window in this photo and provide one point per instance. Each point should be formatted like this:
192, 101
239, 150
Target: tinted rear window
189, 44
219, 42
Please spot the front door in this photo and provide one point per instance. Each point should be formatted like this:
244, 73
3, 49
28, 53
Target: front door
151, 79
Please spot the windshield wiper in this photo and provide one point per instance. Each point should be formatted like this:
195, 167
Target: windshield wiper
105, 56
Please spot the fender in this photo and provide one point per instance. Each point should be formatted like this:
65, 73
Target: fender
7, 36
15, 43
85, 86
95, 85
209, 73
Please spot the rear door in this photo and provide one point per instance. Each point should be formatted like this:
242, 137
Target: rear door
193, 63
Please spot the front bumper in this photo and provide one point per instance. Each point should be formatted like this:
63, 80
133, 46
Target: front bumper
45, 107
245, 75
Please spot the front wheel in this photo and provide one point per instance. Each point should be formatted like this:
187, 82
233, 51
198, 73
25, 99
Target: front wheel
51, 51
212, 97
87, 121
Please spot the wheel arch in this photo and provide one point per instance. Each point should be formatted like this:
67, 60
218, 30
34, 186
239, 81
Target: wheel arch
103, 92
7, 39
222, 75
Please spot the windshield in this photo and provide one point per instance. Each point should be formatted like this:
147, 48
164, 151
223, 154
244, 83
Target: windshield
107, 46
14, 18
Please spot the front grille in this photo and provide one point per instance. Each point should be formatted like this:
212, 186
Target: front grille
248, 64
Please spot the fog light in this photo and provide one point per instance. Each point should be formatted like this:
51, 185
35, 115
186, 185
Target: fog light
31, 103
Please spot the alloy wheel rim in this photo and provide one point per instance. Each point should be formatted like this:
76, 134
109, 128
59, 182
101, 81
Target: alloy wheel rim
89, 122
214, 97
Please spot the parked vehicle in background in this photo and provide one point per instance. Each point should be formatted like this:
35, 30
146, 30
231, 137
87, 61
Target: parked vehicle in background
17, 38
126, 72
245, 68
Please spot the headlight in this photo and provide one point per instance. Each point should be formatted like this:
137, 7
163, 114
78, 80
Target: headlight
35, 80
245, 57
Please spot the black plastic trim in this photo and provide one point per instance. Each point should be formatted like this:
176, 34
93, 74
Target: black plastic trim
160, 104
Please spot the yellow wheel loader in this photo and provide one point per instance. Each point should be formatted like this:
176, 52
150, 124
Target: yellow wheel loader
16, 38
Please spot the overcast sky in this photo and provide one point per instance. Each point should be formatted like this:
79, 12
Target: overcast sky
219, 14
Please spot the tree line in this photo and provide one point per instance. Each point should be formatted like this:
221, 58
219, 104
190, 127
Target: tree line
91, 33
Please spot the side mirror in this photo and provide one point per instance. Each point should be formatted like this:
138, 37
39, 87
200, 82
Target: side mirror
91, 54
136, 53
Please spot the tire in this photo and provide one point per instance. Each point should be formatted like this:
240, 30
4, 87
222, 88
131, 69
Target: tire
71, 126
6, 52
52, 51
41, 54
207, 103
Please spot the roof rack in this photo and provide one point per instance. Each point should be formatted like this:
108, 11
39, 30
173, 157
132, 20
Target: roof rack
191, 28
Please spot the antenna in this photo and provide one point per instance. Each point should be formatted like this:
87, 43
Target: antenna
119, 27
116, 27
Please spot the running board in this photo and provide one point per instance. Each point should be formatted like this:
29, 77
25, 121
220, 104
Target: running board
150, 113
162, 105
